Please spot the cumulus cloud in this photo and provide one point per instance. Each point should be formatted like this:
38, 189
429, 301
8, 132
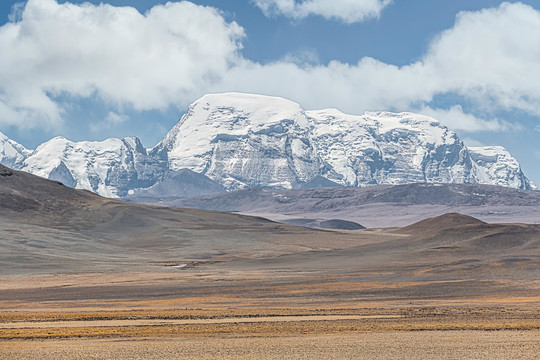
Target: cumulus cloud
368, 85
458, 120
147, 61
472, 142
16, 12
176, 52
490, 57
347, 11
112, 119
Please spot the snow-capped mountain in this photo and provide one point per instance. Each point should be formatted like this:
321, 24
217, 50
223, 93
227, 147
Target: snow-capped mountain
12, 154
245, 141
110, 168
389, 148
242, 140
496, 166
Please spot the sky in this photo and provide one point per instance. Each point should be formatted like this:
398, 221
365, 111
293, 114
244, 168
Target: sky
117, 68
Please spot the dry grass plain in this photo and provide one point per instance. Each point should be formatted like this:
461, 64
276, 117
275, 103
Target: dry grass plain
248, 316
371, 345
84, 277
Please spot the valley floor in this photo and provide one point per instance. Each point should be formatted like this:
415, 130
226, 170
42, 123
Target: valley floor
388, 345
256, 316
84, 277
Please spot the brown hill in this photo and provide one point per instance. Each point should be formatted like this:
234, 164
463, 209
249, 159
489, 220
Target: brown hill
50, 227
436, 224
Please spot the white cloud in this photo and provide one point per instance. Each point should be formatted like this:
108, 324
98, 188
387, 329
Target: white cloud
472, 142
16, 12
368, 85
112, 119
490, 57
176, 52
456, 119
147, 61
347, 11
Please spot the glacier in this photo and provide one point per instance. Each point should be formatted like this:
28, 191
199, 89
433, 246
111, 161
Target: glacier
254, 141
246, 140
110, 168
12, 154
389, 148
243, 140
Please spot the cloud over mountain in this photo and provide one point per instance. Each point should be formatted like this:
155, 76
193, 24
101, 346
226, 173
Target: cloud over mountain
147, 61
176, 52
488, 57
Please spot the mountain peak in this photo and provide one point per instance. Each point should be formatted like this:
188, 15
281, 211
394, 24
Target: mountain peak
244, 140
110, 167
134, 143
498, 165
261, 110
12, 153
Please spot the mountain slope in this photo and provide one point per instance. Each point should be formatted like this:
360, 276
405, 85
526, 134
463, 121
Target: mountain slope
496, 166
110, 168
246, 140
242, 140
388, 148
254, 141
49, 227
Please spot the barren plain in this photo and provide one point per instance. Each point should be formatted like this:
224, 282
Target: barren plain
83, 277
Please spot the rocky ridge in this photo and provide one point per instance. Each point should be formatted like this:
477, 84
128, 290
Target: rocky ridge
243, 141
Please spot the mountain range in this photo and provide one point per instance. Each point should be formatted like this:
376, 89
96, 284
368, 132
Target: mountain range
236, 141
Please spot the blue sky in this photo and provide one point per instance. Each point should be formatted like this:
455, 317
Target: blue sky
123, 68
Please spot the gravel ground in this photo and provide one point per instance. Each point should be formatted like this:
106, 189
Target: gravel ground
387, 345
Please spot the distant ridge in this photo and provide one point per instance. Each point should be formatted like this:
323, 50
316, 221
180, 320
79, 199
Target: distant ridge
376, 206
322, 199
318, 182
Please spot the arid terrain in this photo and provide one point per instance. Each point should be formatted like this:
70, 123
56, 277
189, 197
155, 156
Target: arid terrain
204, 314
84, 277
372, 206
